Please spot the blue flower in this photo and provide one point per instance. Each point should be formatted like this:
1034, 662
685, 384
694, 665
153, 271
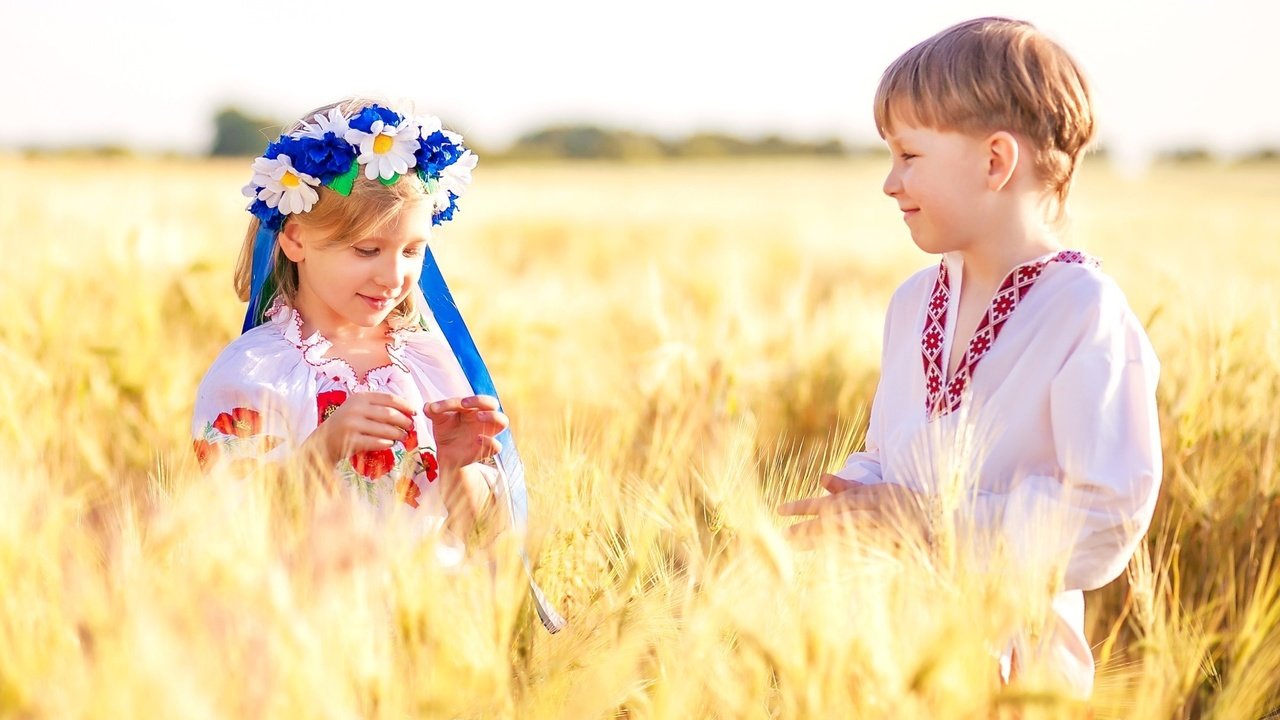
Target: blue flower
447, 214
324, 158
365, 119
268, 216
437, 152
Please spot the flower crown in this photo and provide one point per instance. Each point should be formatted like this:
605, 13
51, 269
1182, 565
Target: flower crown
331, 148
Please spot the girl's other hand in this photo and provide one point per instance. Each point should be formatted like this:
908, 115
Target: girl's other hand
366, 421
465, 429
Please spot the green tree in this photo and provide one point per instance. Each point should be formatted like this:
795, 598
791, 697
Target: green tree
236, 133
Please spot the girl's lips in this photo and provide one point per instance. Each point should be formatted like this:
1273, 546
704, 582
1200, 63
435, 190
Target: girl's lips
378, 303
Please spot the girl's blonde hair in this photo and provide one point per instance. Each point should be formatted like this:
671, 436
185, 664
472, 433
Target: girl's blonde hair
991, 74
339, 220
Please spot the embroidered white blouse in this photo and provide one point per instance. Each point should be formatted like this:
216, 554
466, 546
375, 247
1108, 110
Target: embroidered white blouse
270, 388
1052, 410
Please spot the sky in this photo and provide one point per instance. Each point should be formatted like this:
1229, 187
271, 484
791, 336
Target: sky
149, 75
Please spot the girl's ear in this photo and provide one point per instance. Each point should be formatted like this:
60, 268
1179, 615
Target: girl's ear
290, 239
1002, 159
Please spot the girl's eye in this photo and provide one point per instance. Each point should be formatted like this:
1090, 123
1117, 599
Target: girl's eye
365, 252
412, 252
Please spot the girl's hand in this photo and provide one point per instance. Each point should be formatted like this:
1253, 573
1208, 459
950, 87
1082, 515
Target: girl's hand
850, 506
465, 429
366, 421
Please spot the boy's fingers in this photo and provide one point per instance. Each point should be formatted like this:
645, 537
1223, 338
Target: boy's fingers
838, 503
807, 506
834, 483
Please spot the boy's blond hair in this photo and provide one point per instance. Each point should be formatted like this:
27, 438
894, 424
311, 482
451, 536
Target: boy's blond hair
992, 74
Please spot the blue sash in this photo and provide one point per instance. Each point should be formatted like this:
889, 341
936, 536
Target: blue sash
455, 332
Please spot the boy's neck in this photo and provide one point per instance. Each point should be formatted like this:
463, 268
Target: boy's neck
990, 258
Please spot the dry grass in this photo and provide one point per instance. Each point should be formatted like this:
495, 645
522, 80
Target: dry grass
679, 346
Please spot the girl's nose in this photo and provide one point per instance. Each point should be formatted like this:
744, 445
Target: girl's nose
390, 273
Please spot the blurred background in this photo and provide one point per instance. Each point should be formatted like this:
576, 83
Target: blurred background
1182, 78
676, 258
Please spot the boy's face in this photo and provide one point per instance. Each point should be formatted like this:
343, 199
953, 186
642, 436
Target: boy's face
939, 180
360, 284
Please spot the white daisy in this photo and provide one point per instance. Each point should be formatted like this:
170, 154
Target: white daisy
429, 124
439, 200
457, 176
386, 150
334, 122
283, 187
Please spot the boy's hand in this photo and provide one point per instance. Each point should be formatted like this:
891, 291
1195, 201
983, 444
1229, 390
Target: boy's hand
851, 506
465, 429
366, 421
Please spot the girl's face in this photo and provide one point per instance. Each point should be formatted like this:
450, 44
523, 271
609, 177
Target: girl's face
939, 180
347, 287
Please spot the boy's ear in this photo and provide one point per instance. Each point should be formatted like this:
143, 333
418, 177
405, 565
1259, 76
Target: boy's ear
290, 239
1002, 159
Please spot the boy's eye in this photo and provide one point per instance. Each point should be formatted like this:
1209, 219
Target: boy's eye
365, 252
906, 156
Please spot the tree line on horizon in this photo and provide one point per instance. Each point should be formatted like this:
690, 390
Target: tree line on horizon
238, 133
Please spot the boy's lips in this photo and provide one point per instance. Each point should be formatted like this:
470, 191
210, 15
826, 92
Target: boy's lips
908, 213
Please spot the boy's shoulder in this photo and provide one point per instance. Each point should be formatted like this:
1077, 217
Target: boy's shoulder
916, 287
1084, 289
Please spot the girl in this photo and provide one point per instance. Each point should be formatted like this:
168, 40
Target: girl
353, 355
1013, 362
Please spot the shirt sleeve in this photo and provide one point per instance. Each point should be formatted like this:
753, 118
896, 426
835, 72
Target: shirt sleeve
237, 423
864, 467
1087, 518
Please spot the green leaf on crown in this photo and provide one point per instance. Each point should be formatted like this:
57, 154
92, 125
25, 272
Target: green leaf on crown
391, 180
342, 184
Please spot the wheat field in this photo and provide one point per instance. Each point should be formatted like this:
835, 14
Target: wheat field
680, 347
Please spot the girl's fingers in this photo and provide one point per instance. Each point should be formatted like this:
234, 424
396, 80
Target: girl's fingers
484, 447
461, 404
387, 400
381, 430
480, 402
390, 416
363, 443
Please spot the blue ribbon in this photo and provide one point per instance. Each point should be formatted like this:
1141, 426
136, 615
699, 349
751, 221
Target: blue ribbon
264, 245
455, 332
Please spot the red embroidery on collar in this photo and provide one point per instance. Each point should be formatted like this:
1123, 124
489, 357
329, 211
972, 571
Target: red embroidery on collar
939, 400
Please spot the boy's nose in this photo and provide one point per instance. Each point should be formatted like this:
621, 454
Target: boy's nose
892, 187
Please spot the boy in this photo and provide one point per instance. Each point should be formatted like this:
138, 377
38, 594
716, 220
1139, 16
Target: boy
1011, 335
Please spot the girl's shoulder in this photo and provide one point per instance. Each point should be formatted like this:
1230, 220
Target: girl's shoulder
424, 352
260, 356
